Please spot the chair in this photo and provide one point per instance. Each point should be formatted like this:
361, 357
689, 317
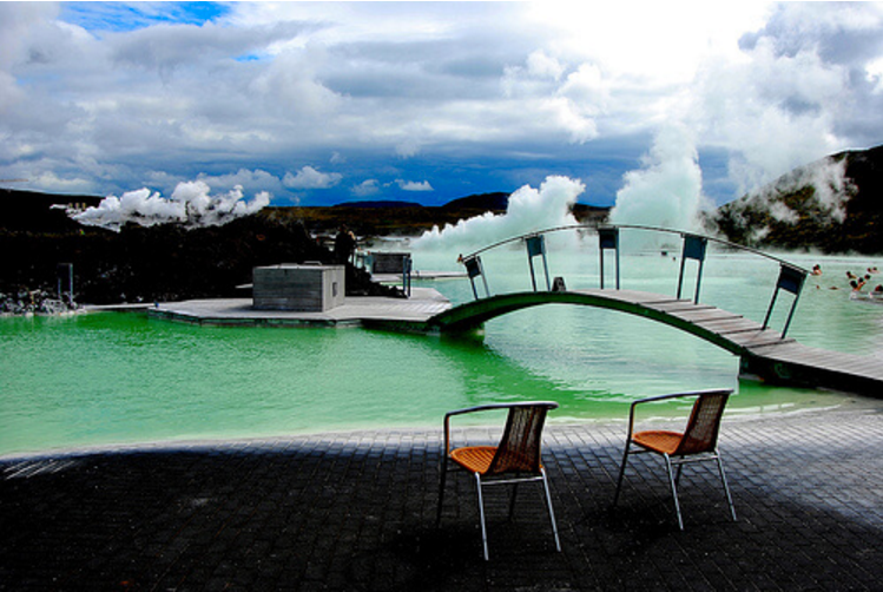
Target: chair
514, 460
697, 443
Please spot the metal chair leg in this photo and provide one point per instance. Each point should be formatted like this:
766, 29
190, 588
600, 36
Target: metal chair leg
441, 491
625, 458
512, 500
674, 491
481, 515
551, 511
720, 468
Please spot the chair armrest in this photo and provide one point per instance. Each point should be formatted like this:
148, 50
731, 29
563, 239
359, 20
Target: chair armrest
657, 398
488, 407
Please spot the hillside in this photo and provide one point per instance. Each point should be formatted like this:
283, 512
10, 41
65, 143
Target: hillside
170, 262
834, 205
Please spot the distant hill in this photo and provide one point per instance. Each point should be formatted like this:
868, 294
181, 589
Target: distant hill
410, 219
487, 202
834, 205
32, 211
378, 204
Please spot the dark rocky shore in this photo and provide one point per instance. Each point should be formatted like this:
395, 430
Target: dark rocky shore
146, 264
171, 262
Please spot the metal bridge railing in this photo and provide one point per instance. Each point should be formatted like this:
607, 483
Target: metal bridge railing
694, 247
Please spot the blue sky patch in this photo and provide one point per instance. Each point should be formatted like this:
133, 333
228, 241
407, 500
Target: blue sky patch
125, 16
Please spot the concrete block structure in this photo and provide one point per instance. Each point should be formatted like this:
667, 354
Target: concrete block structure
288, 286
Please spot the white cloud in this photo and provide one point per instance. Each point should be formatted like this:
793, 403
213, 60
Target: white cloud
874, 74
309, 178
255, 180
774, 112
290, 87
502, 92
414, 185
541, 65
657, 43
366, 188
55, 184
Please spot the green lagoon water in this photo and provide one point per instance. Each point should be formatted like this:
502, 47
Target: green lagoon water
104, 379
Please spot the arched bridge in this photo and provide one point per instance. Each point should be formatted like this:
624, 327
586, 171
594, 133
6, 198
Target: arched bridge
732, 332
764, 351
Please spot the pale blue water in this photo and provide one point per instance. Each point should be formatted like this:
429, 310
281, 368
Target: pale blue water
122, 378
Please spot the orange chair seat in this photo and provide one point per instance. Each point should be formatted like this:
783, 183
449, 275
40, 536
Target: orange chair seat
661, 441
475, 459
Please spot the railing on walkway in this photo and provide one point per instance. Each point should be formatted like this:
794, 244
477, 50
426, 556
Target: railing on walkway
694, 247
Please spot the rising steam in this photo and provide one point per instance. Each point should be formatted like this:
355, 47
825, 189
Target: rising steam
667, 191
190, 205
528, 210
830, 192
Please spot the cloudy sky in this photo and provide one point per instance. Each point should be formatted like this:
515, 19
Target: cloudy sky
321, 103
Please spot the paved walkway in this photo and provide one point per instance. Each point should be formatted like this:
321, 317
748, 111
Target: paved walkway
356, 512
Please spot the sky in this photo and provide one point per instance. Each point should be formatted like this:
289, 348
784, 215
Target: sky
328, 102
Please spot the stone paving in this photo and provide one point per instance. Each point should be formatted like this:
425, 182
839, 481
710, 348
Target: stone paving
356, 511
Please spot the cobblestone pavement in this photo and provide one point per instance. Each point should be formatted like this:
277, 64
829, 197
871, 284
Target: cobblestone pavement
357, 512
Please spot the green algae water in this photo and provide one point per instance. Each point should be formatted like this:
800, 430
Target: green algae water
104, 379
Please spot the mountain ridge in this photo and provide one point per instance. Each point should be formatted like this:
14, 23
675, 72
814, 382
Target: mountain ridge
834, 205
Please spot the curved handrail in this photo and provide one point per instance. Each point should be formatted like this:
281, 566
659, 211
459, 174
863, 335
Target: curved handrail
682, 233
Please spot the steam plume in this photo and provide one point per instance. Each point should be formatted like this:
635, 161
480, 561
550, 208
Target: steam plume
831, 190
529, 210
667, 191
190, 204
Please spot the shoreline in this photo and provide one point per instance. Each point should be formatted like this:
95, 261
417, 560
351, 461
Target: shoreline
358, 511
851, 405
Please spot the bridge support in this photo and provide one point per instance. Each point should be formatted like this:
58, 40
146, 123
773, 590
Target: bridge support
791, 280
536, 245
694, 248
474, 268
608, 238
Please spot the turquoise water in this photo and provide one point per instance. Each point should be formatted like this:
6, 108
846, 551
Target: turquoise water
122, 378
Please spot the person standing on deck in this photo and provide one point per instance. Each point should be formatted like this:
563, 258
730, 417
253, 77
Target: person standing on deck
344, 245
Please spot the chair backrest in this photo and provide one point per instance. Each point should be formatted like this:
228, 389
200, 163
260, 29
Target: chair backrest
704, 424
519, 448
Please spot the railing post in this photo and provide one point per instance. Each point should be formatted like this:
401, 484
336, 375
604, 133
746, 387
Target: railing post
694, 248
474, 269
406, 274
536, 245
608, 238
791, 280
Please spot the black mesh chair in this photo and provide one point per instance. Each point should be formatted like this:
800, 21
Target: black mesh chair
514, 460
697, 443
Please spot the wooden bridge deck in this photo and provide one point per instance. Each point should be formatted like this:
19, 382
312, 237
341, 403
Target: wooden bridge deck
764, 353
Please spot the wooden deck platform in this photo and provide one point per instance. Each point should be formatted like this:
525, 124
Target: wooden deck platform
399, 313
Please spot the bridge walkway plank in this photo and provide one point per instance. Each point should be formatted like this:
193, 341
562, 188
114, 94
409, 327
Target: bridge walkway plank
750, 338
